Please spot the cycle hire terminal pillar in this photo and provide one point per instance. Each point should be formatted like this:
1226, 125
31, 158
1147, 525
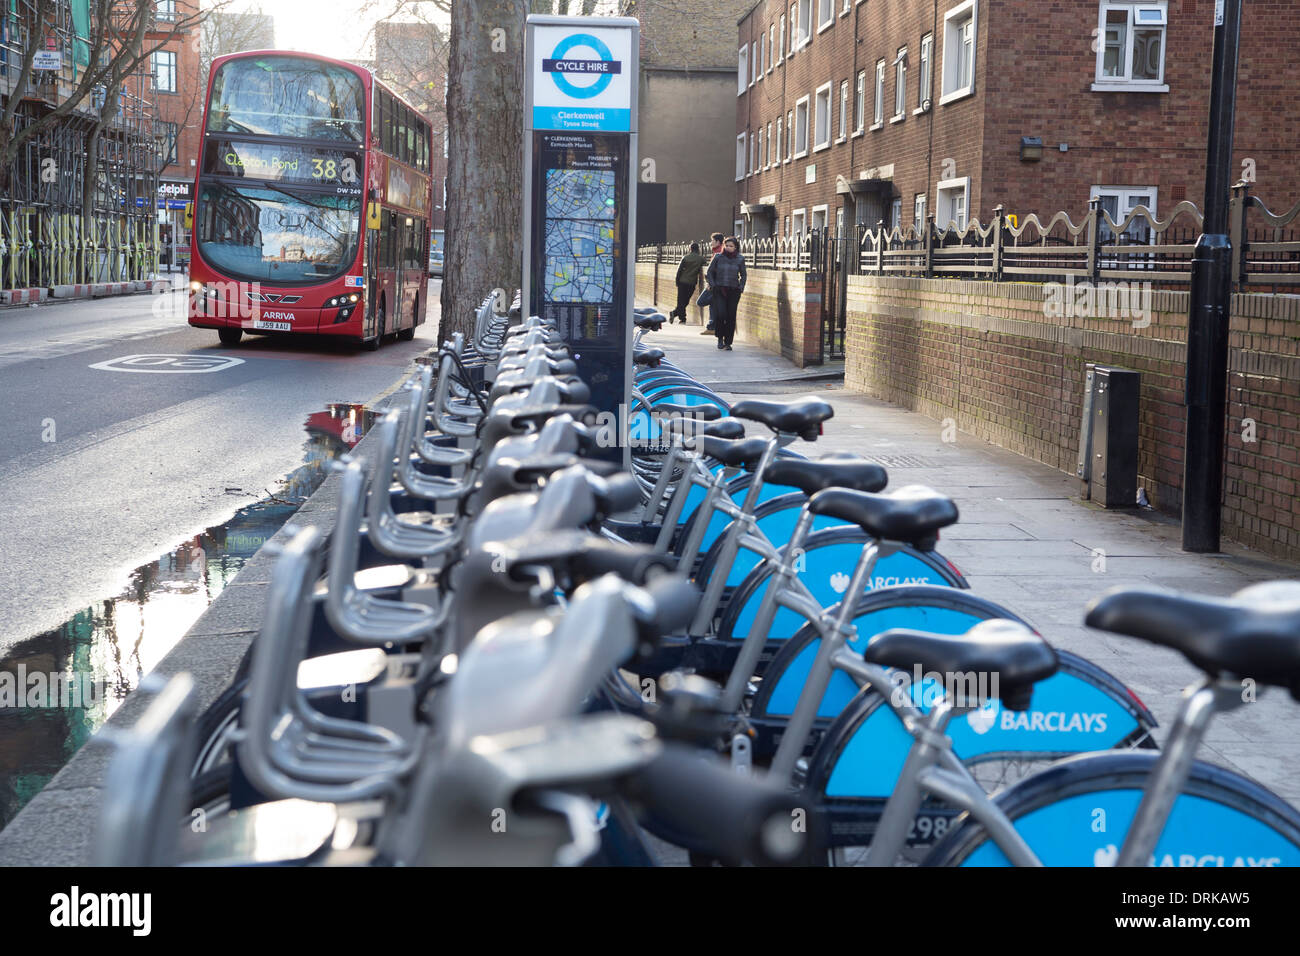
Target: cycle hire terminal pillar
580, 151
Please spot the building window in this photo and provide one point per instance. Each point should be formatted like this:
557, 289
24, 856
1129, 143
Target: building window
774, 52
825, 14
740, 157
927, 68
789, 134
950, 202
773, 151
762, 147
844, 109
1117, 202
166, 143
818, 218
798, 222
1133, 51
900, 83
164, 71
801, 127
776, 158
805, 21
794, 27
754, 65
750, 168
878, 116
822, 118
918, 211
896, 213
166, 11
860, 102
743, 70
780, 47
958, 52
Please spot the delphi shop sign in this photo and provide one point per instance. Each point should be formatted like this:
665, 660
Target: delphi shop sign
582, 76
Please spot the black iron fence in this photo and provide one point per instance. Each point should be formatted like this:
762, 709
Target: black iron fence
1266, 248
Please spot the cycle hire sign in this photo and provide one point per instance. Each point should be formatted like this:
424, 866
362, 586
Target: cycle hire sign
582, 76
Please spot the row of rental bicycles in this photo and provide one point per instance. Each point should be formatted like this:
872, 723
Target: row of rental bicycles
510, 649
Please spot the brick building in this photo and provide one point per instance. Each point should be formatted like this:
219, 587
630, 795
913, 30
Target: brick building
851, 111
177, 95
686, 106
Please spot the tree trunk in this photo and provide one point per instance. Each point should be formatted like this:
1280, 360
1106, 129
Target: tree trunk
484, 166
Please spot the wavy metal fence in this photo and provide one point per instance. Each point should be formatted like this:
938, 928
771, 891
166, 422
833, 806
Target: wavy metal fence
1266, 247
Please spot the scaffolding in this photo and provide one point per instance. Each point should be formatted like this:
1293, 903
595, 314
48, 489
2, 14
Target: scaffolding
46, 239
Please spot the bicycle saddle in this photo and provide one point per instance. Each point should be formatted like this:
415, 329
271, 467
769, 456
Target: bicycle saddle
651, 323
650, 357
912, 515
1002, 655
735, 454
837, 470
802, 416
1255, 633
728, 428
706, 412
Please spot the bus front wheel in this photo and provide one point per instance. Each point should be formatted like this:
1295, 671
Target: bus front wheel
230, 337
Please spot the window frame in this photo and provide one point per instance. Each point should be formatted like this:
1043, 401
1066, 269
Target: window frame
827, 8
900, 85
920, 208
878, 109
774, 56
819, 145
952, 25
168, 56
802, 101
798, 221
780, 50
742, 69
860, 104
789, 135
740, 157
949, 185
844, 111
1106, 84
1121, 194
925, 77
805, 23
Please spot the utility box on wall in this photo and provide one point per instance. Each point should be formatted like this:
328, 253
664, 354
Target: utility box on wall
1108, 440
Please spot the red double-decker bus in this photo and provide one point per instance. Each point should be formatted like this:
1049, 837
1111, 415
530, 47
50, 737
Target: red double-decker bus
311, 203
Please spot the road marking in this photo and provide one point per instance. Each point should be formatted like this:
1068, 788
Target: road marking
169, 364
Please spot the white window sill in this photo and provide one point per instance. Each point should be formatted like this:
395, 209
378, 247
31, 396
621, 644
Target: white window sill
919, 112
856, 133
876, 126
1128, 86
955, 95
827, 25
819, 148
899, 118
842, 139
801, 155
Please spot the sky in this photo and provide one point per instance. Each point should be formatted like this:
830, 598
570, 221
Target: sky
335, 28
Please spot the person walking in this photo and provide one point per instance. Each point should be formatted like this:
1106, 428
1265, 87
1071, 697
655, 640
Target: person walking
726, 277
688, 279
717, 248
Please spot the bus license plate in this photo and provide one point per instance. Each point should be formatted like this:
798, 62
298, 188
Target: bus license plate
273, 326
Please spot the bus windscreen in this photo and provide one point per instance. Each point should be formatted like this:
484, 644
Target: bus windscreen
287, 96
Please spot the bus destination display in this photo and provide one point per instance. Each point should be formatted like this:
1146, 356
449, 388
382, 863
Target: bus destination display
285, 163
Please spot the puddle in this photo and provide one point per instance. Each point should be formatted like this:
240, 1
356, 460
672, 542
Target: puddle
58, 688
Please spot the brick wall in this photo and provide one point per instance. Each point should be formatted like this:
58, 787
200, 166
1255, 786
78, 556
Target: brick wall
1006, 363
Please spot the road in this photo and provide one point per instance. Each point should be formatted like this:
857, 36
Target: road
105, 469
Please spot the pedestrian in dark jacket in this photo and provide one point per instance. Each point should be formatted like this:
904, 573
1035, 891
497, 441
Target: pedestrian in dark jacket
717, 247
688, 279
726, 277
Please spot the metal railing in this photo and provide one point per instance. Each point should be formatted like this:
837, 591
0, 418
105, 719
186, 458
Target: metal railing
1266, 247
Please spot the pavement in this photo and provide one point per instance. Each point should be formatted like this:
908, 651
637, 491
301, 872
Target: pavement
1027, 541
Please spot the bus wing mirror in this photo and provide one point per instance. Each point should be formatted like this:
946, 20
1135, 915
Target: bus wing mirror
372, 216
189, 215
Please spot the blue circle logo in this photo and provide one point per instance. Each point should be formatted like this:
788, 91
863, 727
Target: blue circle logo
562, 80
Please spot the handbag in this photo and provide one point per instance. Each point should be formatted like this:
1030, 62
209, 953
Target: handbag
705, 298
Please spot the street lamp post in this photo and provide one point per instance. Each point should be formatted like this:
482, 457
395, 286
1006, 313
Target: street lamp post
1211, 291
